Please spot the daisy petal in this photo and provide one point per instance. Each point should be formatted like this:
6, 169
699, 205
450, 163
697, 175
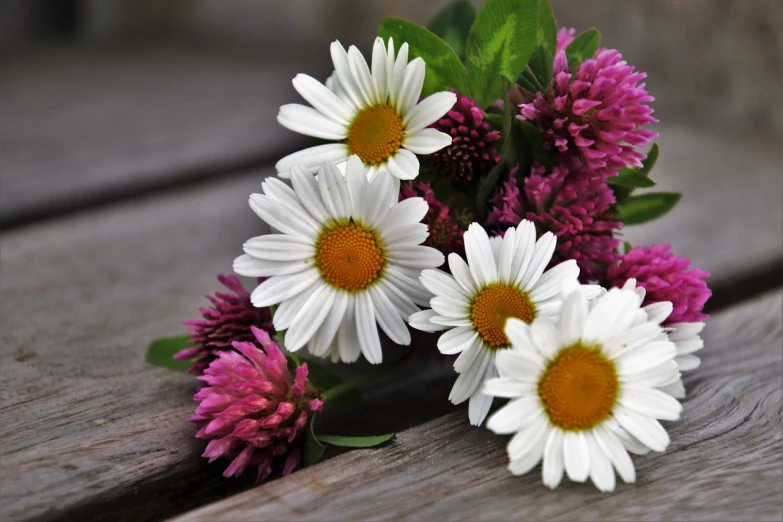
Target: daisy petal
367, 330
542, 255
362, 77
250, 266
325, 101
480, 257
426, 141
310, 317
576, 456
470, 380
321, 341
516, 415
650, 403
549, 283
648, 431
404, 164
479, 403
308, 121
413, 81
601, 471
343, 70
552, 470
428, 111
388, 317
379, 77
348, 344
312, 157
456, 340
441, 283
277, 289
421, 321
616, 453
306, 188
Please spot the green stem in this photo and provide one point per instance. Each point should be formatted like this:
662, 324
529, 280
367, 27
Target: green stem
345, 387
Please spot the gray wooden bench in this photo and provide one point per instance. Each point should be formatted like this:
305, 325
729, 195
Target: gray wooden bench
112, 233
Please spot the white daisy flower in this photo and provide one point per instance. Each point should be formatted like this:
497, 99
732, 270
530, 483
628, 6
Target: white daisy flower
503, 278
346, 255
584, 390
372, 111
685, 337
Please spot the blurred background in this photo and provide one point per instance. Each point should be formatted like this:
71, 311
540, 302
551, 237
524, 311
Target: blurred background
99, 97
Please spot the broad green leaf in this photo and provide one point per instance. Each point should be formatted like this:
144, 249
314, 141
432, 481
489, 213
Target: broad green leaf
444, 68
627, 246
546, 44
452, 24
583, 47
355, 442
652, 158
313, 449
646, 207
499, 45
630, 178
161, 352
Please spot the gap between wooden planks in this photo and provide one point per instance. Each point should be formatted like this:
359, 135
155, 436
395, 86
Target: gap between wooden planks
86, 421
85, 125
724, 462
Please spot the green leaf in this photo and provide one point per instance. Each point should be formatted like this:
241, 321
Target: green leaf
452, 24
652, 158
355, 442
631, 178
627, 246
444, 68
546, 44
161, 352
313, 449
641, 209
583, 47
500, 44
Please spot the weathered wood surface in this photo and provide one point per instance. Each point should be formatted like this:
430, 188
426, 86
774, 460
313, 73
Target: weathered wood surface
85, 418
731, 196
83, 296
85, 125
725, 461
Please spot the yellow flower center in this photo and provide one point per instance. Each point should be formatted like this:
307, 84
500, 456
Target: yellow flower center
376, 134
493, 306
578, 388
349, 256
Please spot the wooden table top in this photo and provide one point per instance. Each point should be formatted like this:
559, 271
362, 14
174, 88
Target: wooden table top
124, 179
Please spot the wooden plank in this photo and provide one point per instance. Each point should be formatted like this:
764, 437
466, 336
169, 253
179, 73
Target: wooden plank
724, 463
85, 419
86, 422
731, 194
85, 125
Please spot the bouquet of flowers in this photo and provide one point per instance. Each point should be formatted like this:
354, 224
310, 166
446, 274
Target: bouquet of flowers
470, 179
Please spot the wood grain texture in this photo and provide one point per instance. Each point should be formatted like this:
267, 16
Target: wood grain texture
83, 125
86, 422
724, 462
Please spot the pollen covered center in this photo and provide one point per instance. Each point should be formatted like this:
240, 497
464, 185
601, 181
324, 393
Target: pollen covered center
578, 388
349, 256
375, 134
493, 306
